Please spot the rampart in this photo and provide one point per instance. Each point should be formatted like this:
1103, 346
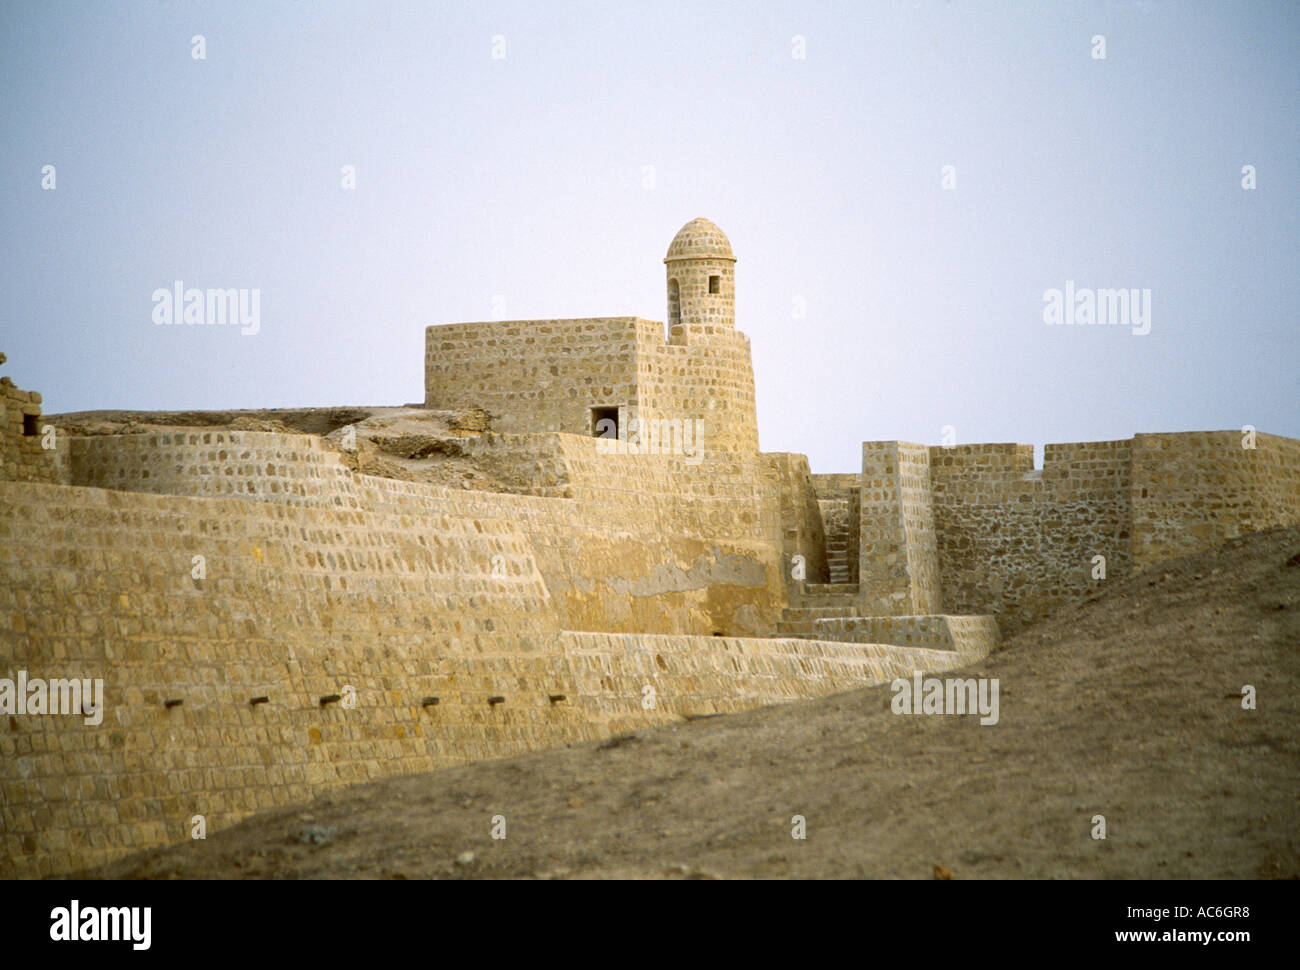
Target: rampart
1195, 490
651, 543
454, 614
1017, 543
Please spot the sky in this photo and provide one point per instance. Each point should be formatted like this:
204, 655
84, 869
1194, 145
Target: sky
903, 185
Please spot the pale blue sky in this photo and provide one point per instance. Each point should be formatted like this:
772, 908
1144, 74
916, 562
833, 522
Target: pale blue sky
524, 179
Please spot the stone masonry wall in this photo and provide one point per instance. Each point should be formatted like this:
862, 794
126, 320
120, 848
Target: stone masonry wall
473, 624
672, 546
547, 375
288, 468
1198, 489
708, 376
788, 476
645, 543
533, 375
898, 562
1017, 543
399, 598
22, 459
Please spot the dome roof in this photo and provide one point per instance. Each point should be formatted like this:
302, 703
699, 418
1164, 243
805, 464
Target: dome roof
700, 239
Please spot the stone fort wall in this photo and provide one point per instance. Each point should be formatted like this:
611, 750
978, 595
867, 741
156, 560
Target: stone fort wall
1199, 489
898, 556
533, 375
548, 375
802, 517
1018, 543
644, 543
707, 375
405, 592
22, 459
531, 619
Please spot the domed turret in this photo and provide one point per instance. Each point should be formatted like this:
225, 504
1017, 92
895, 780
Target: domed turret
699, 239
701, 281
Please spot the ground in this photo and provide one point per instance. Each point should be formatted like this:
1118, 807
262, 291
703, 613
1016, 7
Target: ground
1127, 705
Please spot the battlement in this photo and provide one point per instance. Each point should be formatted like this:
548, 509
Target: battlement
989, 462
976, 529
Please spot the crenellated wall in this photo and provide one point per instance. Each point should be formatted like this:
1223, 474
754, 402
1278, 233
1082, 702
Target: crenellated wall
1018, 543
533, 619
237, 591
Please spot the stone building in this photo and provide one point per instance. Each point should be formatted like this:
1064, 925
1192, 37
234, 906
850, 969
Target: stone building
619, 375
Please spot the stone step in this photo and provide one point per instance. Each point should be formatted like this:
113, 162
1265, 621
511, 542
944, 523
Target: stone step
794, 631
826, 594
801, 621
817, 612
832, 589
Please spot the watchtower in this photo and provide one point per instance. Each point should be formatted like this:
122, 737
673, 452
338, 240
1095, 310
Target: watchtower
701, 282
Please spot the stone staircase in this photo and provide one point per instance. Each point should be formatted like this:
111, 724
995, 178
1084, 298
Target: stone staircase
819, 601
837, 561
840, 529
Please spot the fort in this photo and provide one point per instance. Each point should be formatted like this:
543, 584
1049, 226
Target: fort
485, 574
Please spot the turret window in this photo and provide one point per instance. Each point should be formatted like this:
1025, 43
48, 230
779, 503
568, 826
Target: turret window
715, 284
